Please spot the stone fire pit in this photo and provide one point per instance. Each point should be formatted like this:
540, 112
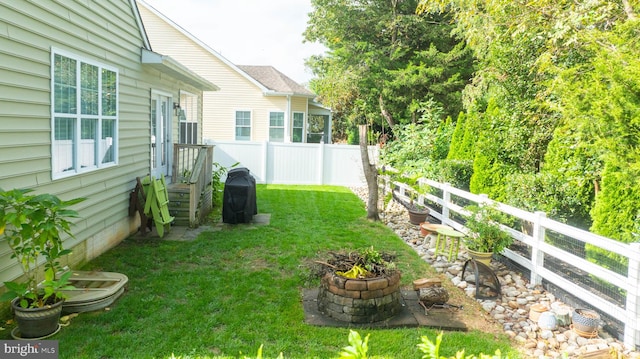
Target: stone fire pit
356, 300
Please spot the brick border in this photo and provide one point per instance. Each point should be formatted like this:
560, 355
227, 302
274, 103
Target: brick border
365, 300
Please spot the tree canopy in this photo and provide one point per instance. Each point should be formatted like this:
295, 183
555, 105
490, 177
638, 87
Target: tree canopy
385, 61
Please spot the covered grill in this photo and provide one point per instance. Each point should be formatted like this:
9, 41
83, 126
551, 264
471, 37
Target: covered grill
239, 198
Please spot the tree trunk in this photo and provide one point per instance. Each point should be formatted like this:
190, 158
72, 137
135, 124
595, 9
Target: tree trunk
385, 114
371, 174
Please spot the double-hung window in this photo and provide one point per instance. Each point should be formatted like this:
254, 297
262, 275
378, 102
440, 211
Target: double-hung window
276, 126
85, 114
298, 126
188, 118
243, 125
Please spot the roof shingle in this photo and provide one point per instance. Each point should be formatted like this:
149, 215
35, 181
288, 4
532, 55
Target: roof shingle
275, 80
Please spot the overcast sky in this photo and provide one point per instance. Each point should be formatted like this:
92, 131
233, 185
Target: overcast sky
249, 32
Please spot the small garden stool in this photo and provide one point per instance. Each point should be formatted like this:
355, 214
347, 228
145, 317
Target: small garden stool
454, 237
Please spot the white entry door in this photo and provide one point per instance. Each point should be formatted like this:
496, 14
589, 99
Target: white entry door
160, 135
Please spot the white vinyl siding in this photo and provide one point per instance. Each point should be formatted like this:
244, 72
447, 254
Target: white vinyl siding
85, 114
243, 125
276, 126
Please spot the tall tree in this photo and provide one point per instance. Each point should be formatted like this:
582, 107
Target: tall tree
384, 60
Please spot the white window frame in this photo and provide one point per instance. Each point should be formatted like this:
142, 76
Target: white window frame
235, 124
188, 115
294, 127
75, 166
284, 118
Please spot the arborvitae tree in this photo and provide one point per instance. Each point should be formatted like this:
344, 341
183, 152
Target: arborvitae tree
456, 138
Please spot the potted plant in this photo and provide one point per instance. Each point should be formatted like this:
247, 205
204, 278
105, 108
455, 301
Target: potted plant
418, 212
485, 236
32, 226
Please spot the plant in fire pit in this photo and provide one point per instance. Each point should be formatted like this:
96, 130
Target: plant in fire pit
360, 287
365, 263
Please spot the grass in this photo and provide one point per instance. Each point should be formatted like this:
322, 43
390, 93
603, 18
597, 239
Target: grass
230, 291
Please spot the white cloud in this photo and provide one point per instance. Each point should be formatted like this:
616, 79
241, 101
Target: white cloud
249, 32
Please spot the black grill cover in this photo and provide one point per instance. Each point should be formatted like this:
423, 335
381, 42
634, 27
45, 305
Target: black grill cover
239, 199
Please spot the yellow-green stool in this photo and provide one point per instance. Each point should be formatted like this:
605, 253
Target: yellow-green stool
454, 239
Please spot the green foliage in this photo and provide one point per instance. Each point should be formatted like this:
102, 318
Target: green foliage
455, 172
442, 141
372, 258
547, 192
486, 234
431, 350
417, 147
358, 347
600, 102
217, 186
456, 137
383, 59
32, 226
465, 150
353, 137
492, 162
410, 150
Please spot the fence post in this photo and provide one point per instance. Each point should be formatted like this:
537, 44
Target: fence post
321, 156
265, 161
446, 199
537, 256
631, 326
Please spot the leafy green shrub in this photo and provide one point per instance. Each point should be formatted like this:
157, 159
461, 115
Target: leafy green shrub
217, 186
353, 135
486, 236
456, 172
546, 192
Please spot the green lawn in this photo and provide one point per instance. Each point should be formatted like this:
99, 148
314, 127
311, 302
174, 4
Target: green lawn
230, 291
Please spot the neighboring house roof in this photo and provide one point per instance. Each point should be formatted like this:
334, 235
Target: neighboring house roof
275, 80
256, 80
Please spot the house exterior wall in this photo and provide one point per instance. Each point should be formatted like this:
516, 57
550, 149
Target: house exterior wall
98, 30
237, 92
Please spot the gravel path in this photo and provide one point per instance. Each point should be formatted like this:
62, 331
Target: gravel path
512, 309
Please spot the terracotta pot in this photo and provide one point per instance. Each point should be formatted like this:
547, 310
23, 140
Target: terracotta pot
535, 310
423, 231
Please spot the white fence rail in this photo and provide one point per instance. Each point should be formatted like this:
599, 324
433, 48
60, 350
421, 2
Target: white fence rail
443, 206
295, 163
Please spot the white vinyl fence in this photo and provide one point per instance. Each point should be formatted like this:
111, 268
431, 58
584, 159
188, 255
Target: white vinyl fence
544, 260
295, 163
